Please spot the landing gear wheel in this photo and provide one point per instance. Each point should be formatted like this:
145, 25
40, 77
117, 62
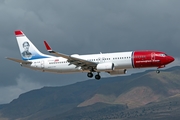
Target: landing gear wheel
97, 77
157, 71
90, 75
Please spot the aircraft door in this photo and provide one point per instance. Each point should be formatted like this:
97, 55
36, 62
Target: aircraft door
42, 64
35, 65
102, 60
152, 57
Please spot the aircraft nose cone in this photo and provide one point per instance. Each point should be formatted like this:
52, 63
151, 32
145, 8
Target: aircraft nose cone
171, 59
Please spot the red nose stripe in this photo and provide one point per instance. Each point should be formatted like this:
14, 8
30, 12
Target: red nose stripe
145, 59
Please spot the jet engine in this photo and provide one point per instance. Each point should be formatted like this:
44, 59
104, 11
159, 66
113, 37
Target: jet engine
105, 67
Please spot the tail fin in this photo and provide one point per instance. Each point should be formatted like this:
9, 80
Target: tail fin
27, 49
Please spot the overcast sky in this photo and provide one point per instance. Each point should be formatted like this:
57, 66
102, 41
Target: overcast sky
83, 27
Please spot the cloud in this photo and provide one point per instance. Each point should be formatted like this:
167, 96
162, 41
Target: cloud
84, 26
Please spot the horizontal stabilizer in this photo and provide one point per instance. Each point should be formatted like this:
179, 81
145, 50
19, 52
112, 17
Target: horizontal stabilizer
19, 61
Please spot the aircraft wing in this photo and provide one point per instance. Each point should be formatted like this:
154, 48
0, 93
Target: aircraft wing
19, 61
84, 64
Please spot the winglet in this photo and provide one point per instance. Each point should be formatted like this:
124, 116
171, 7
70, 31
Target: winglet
48, 47
19, 33
54, 52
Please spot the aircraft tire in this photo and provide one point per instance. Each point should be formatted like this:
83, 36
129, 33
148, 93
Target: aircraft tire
90, 75
157, 71
97, 77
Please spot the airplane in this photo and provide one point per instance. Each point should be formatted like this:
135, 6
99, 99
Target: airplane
115, 63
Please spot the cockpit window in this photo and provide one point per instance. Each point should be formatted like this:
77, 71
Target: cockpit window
163, 55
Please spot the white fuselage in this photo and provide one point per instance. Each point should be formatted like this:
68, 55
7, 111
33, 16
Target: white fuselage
121, 60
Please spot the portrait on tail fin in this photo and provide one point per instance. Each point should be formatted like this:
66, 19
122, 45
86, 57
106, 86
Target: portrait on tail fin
26, 54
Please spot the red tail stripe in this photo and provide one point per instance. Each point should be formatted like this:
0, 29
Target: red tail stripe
18, 32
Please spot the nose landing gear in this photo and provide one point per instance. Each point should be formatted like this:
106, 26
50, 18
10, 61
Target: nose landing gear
157, 71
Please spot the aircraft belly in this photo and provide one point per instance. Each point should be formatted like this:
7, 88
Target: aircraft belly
63, 68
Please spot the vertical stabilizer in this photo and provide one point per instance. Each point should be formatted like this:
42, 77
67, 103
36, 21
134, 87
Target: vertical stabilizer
27, 49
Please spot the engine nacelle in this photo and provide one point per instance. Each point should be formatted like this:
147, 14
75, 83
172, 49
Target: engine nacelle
118, 71
105, 67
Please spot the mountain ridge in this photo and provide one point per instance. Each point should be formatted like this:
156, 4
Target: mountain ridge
123, 93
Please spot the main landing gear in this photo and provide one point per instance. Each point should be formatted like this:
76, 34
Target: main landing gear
90, 75
97, 77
